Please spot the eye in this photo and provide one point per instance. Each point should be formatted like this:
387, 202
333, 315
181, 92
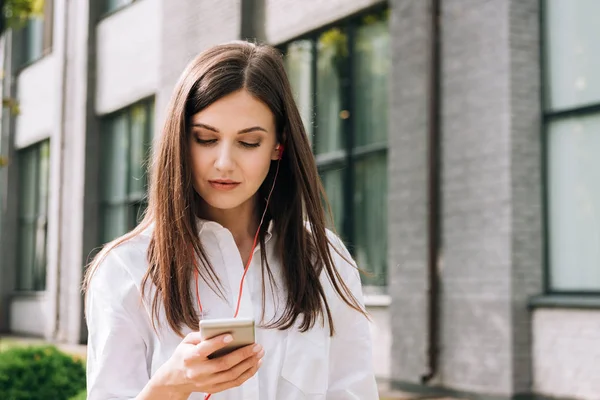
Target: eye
250, 145
205, 142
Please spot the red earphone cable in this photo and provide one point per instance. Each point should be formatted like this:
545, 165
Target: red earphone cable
237, 308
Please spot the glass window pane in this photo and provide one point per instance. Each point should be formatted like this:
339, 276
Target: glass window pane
28, 176
574, 203
138, 150
370, 217
334, 188
332, 55
114, 160
39, 266
34, 166
151, 124
26, 255
41, 232
33, 39
136, 213
44, 176
114, 222
48, 25
112, 5
371, 70
299, 61
572, 52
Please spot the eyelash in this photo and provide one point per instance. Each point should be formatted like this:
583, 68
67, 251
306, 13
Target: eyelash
213, 141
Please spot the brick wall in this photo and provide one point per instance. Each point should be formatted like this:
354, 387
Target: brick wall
186, 28
407, 186
567, 353
476, 331
526, 181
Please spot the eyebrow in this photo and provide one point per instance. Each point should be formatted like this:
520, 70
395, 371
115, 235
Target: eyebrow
212, 128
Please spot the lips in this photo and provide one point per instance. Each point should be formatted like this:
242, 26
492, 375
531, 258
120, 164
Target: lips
223, 184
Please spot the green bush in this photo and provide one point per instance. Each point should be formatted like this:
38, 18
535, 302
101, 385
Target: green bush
81, 396
39, 373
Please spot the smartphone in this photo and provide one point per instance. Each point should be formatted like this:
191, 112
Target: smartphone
242, 330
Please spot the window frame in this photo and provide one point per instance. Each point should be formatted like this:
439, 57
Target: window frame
349, 154
40, 217
548, 116
132, 198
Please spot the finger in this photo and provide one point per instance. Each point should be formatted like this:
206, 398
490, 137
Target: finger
207, 347
234, 373
249, 373
193, 338
232, 359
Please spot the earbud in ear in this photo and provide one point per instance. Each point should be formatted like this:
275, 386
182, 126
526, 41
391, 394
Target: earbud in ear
280, 149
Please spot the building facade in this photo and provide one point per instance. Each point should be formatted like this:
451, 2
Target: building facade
457, 141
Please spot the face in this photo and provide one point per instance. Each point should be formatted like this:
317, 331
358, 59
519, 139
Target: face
232, 144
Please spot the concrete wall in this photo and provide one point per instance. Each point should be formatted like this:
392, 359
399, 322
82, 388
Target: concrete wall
476, 280
381, 332
186, 28
492, 248
287, 19
407, 186
491, 251
28, 314
38, 92
73, 167
566, 349
127, 56
40, 95
527, 237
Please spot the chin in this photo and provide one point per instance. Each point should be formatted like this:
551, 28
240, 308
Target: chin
224, 202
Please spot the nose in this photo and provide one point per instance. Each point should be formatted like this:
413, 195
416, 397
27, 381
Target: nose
224, 161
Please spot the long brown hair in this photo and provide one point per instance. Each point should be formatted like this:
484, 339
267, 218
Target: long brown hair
296, 207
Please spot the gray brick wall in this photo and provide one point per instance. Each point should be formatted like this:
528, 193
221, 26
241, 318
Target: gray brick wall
526, 181
475, 310
407, 186
188, 27
491, 193
567, 354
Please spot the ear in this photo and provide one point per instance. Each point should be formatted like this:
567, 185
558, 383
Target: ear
277, 152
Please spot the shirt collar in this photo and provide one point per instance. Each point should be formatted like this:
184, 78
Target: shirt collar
212, 226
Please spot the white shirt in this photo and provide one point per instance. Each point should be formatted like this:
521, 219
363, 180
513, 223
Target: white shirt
124, 350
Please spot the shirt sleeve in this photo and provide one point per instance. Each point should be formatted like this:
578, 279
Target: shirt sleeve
117, 368
351, 374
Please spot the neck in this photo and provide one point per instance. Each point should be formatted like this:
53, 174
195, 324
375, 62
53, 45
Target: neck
241, 221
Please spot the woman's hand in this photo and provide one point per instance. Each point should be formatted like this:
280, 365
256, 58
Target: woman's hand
190, 370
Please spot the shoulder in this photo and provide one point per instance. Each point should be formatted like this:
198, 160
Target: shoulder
120, 270
342, 258
339, 252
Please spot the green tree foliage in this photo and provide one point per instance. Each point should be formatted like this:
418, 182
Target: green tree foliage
16, 12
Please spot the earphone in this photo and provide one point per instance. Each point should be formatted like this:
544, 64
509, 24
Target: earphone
196, 273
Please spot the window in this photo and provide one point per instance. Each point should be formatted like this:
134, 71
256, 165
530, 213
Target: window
125, 143
33, 208
37, 35
114, 5
572, 140
340, 81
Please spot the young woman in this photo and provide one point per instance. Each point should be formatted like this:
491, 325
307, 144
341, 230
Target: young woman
234, 227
